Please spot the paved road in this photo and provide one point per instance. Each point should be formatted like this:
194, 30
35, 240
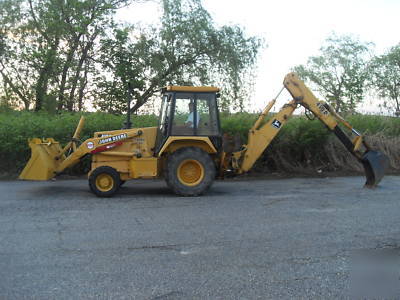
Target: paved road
246, 239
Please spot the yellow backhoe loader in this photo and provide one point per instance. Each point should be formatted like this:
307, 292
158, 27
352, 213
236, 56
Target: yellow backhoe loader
187, 145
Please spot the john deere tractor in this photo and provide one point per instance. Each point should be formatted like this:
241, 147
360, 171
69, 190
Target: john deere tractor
187, 148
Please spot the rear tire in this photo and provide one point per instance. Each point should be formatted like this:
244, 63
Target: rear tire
104, 181
189, 171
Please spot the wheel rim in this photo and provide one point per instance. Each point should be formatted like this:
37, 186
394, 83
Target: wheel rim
104, 182
190, 172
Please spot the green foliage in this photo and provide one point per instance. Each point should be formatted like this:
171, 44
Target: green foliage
238, 123
58, 55
45, 47
299, 141
301, 145
187, 49
339, 72
17, 127
300, 134
370, 124
385, 78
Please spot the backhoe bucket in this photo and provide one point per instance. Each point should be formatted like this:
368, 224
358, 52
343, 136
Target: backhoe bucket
375, 164
44, 160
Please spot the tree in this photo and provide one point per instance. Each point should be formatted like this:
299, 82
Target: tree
56, 54
45, 46
187, 49
385, 78
339, 72
16, 87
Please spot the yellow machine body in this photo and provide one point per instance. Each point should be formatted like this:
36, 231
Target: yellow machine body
173, 143
129, 151
189, 153
133, 157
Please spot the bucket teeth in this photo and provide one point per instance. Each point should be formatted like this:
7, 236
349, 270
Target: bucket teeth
375, 165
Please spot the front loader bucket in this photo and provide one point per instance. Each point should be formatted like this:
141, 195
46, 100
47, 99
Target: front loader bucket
375, 164
44, 160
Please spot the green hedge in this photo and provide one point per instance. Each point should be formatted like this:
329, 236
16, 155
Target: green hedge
299, 138
301, 144
17, 127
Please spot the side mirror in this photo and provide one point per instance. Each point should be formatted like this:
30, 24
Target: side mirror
217, 95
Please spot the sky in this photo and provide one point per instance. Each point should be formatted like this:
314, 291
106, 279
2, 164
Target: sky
293, 31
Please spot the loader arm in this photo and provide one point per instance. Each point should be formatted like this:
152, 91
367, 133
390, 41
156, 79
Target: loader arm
95, 145
261, 135
48, 159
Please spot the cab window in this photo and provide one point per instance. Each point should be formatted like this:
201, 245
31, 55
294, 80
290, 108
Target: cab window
185, 117
207, 113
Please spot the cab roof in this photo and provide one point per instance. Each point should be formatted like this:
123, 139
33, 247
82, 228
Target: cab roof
199, 89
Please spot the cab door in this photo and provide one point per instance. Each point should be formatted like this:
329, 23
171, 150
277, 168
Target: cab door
164, 124
189, 114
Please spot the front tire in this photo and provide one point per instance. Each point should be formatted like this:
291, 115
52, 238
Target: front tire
189, 171
104, 181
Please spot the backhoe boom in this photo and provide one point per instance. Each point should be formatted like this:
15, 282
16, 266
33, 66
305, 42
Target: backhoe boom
260, 136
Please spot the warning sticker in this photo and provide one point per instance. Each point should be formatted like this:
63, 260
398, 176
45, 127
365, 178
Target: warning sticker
90, 145
138, 140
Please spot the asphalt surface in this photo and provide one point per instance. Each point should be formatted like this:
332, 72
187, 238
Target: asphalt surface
245, 239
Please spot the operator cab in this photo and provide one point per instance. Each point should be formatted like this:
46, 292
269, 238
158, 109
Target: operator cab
189, 111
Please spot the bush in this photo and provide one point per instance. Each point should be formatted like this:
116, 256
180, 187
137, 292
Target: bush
304, 146
301, 144
370, 125
239, 123
17, 127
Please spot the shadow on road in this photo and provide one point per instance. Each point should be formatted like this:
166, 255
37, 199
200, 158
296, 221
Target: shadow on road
131, 191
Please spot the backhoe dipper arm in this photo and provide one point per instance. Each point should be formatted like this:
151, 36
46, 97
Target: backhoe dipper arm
260, 136
323, 111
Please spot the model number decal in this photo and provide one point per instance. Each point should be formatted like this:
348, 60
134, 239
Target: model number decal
322, 108
113, 138
138, 140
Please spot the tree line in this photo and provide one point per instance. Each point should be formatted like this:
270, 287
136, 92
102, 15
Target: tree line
345, 71
65, 55
58, 55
